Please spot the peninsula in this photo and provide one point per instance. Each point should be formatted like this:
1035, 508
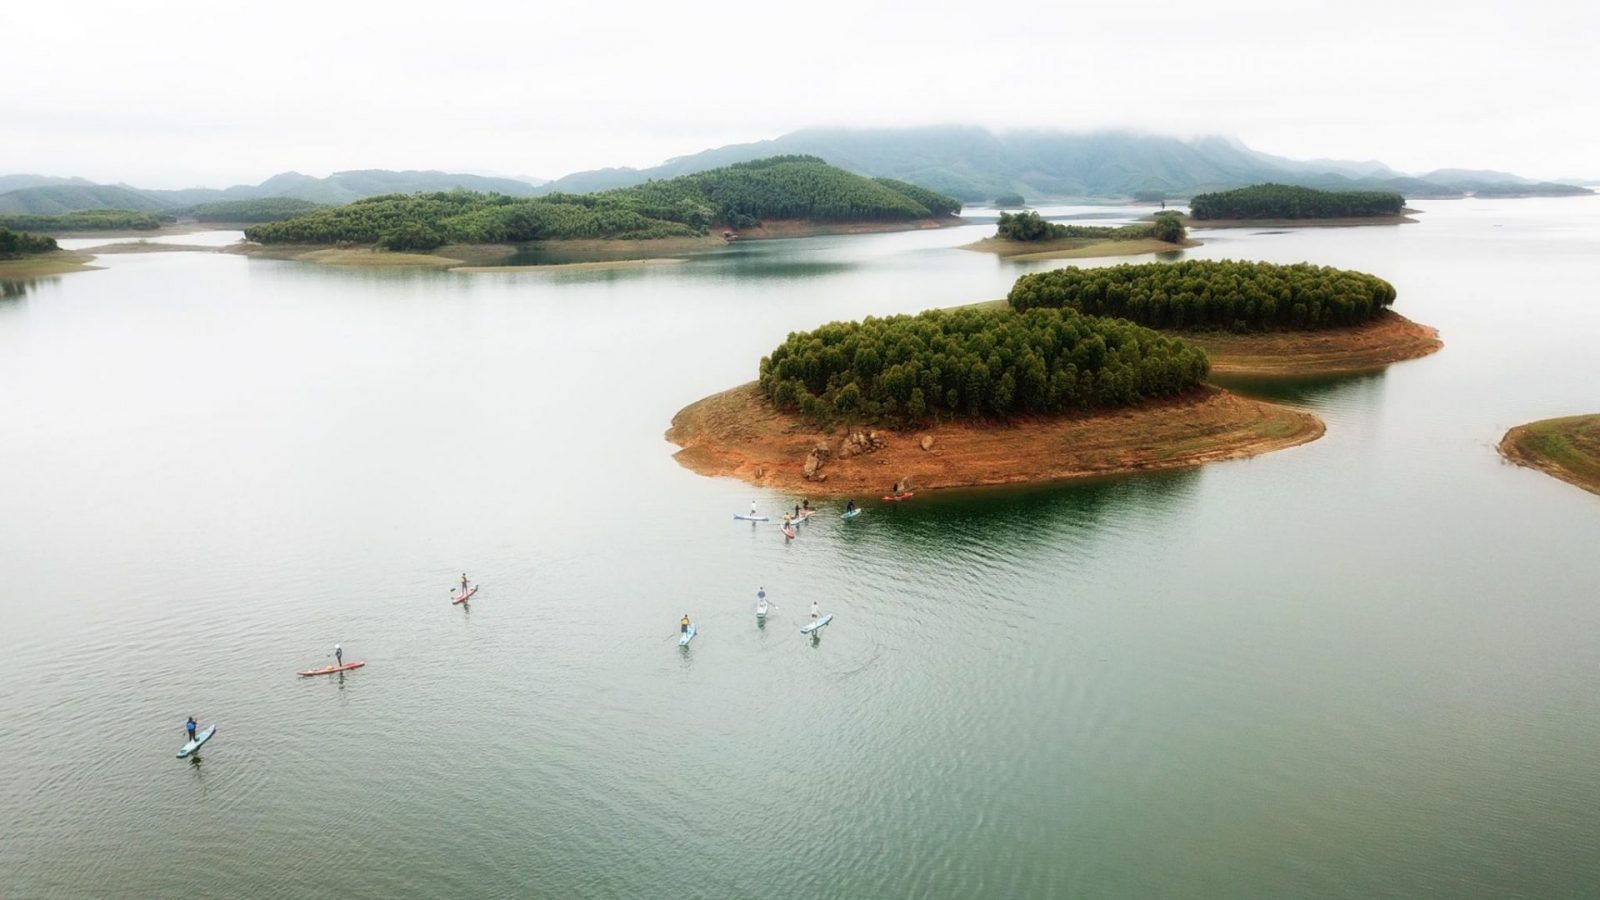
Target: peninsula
1567, 448
782, 196
1252, 318
974, 396
25, 255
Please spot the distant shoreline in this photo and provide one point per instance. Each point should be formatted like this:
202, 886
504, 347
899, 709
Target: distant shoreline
591, 253
1335, 222
1073, 248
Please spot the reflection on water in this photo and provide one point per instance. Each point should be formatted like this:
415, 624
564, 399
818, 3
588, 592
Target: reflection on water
16, 288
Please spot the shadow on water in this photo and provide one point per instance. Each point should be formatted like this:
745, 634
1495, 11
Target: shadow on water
1340, 390
1043, 510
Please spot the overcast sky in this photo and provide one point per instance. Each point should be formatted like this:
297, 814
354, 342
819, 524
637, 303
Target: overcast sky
175, 94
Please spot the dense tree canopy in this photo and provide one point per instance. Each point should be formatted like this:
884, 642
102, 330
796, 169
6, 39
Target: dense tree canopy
1211, 294
975, 363
738, 196
15, 244
1009, 201
87, 220
1030, 226
264, 209
1283, 201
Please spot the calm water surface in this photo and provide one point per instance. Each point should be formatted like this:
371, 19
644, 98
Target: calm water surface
1367, 666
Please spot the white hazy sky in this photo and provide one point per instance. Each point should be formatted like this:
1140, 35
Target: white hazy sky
177, 93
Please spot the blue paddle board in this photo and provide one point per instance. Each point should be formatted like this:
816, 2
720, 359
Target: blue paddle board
199, 739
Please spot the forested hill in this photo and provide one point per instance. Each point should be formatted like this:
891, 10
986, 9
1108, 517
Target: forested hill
1282, 201
738, 196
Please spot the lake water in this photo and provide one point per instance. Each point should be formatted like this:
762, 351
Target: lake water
1366, 666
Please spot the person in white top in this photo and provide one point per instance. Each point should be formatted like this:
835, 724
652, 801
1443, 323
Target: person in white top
815, 610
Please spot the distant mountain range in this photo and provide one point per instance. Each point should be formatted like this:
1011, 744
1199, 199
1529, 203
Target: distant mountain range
969, 163
44, 195
974, 164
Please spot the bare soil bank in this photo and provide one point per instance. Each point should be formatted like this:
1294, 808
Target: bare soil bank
738, 433
1567, 448
1072, 248
1387, 338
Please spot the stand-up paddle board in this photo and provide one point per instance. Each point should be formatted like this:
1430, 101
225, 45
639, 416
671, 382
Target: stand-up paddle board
761, 610
459, 597
896, 498
329, 670
850, 513
744, 518
812, 627
788, 531
199, 739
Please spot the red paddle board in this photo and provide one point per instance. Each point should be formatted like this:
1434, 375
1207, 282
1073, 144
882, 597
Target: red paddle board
462, 598
329, 670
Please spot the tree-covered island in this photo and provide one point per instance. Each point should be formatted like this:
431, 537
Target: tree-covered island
1030, 236
1289, 203
1253, 318
726, 201
974, 396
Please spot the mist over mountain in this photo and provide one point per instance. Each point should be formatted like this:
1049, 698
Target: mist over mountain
973, 164
967, 162
41, 195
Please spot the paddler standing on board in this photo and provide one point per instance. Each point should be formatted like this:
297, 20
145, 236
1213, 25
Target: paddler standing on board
850, 507
816, 611
463, 582
190, 726
338, 656
683, 626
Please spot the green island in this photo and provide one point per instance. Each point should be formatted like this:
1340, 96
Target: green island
86, 220
1566, 448
1267, 204
1009, 201
24, 255
974, 396
1026, 236
1253, 318
779, 196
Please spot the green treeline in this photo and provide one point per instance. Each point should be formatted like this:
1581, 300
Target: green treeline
1282, 201
975, 363
265, 209
1211, 294
87, 220
1009, 201
16, 244
1030, 226
737, 196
